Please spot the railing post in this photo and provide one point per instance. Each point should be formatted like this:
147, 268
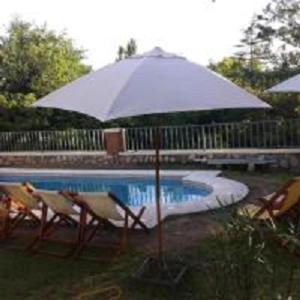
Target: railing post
124, 140
114, 141
203, 137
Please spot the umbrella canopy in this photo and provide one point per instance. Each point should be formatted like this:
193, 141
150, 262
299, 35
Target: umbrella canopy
291, 85
154, 82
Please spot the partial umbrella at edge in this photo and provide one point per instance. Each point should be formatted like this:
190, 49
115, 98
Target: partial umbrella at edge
291, 85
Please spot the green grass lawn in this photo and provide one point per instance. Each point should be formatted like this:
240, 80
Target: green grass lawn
214, 273
238, 265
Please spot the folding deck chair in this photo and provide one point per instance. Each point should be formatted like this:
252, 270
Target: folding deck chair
285, 202
21, 204
63, 213
104, 208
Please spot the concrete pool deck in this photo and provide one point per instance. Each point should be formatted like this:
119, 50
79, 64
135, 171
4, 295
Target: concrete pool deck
224, 191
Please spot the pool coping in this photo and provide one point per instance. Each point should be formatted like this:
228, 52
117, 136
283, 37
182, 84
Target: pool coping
102, 172
224, 191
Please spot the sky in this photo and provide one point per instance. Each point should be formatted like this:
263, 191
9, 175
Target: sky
200, 30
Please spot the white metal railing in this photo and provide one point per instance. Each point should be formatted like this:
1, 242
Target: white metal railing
68, 140
260, 134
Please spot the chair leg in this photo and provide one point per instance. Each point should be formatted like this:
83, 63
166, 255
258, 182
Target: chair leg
121, 246
13, 223
6, 226
81, 229
4, 230
85, 240
7, 219
44, 225
46, 232
16, 221
93, 232
124, 240
137, 220
30, 214
51, 227
48, 228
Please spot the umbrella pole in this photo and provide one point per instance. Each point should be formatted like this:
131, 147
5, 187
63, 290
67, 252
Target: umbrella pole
157, 193
157, 270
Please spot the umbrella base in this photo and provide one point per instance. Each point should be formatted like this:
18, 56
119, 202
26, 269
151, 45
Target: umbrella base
160, 271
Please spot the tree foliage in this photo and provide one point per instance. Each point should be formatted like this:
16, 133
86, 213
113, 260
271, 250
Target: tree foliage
33, 62
36, 60
268, 53
279, 27
128, 50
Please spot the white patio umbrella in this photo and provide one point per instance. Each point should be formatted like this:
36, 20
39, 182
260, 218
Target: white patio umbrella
291, 85
151, 83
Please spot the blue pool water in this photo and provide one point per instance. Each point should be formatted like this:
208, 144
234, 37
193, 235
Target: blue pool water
132, 191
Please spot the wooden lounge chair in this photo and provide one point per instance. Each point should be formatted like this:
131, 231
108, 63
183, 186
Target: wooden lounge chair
63, 213
21, 204
284, 202
104, 208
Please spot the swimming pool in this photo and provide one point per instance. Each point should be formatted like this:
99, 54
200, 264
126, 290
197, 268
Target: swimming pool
182, 191
133, 191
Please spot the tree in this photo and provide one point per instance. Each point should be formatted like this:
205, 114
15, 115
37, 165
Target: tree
278, 27
268, 53
34, 61
127, 51
239, 70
